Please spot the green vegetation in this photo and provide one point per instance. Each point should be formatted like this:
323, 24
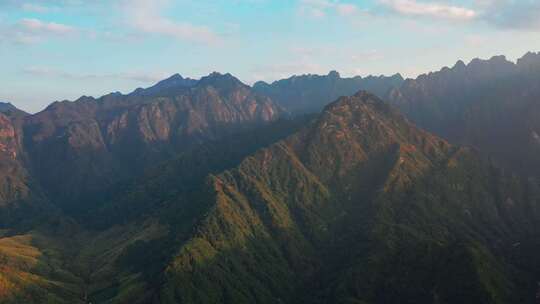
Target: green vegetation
356, 206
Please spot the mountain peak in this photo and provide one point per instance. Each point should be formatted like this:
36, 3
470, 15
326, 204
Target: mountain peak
174, 82
493, 61
398, 77
175, 76
529, 60
9, 108
6, 106
334, 74
460, 65
218, 75
353, 103
219, 80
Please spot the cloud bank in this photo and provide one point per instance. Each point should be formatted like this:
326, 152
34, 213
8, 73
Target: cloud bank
435, 10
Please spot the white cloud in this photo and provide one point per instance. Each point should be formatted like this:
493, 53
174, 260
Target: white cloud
29, 31
146, 16
511, 14
435, 10
37, 26
347, 9
44, 6
320, 8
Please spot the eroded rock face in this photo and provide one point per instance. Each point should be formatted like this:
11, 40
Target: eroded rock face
8, 141
13, 176
89, 144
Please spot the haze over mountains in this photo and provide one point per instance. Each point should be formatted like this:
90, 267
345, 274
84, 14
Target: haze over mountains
311, 189
489, 104
310, 93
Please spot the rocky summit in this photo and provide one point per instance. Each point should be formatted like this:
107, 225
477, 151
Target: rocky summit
81, 148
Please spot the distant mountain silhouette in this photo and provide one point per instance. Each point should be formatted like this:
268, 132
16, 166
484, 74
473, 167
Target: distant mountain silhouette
492, 105
6, 106
311, 93
172, 85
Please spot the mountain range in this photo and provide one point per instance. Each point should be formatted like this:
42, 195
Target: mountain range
311, 93
312, 189
489, 104
77, 149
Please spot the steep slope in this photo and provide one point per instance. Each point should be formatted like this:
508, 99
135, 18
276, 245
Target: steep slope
6, 106
311, 93
21, 199
359, 207
116, 254
492, 105
79, 149
13, 176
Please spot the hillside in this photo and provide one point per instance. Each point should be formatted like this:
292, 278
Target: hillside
492, 105
77, 150
359, 207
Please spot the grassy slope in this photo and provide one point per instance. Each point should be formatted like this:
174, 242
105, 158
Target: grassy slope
34, 270
43, 265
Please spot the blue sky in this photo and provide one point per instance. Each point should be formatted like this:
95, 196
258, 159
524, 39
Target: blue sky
62, 49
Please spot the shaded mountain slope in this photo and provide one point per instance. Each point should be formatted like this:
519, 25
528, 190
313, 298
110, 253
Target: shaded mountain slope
311, 93
171, 86
359, 207
159, 186
7, 108
492, 105
116, 251
22, 201
13, 177
76, 149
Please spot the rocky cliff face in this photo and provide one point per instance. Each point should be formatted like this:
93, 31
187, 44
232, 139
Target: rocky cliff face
85, 146
15, 182
8, 139
492, 105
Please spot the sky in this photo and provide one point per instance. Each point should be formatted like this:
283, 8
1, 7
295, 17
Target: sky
62, 49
